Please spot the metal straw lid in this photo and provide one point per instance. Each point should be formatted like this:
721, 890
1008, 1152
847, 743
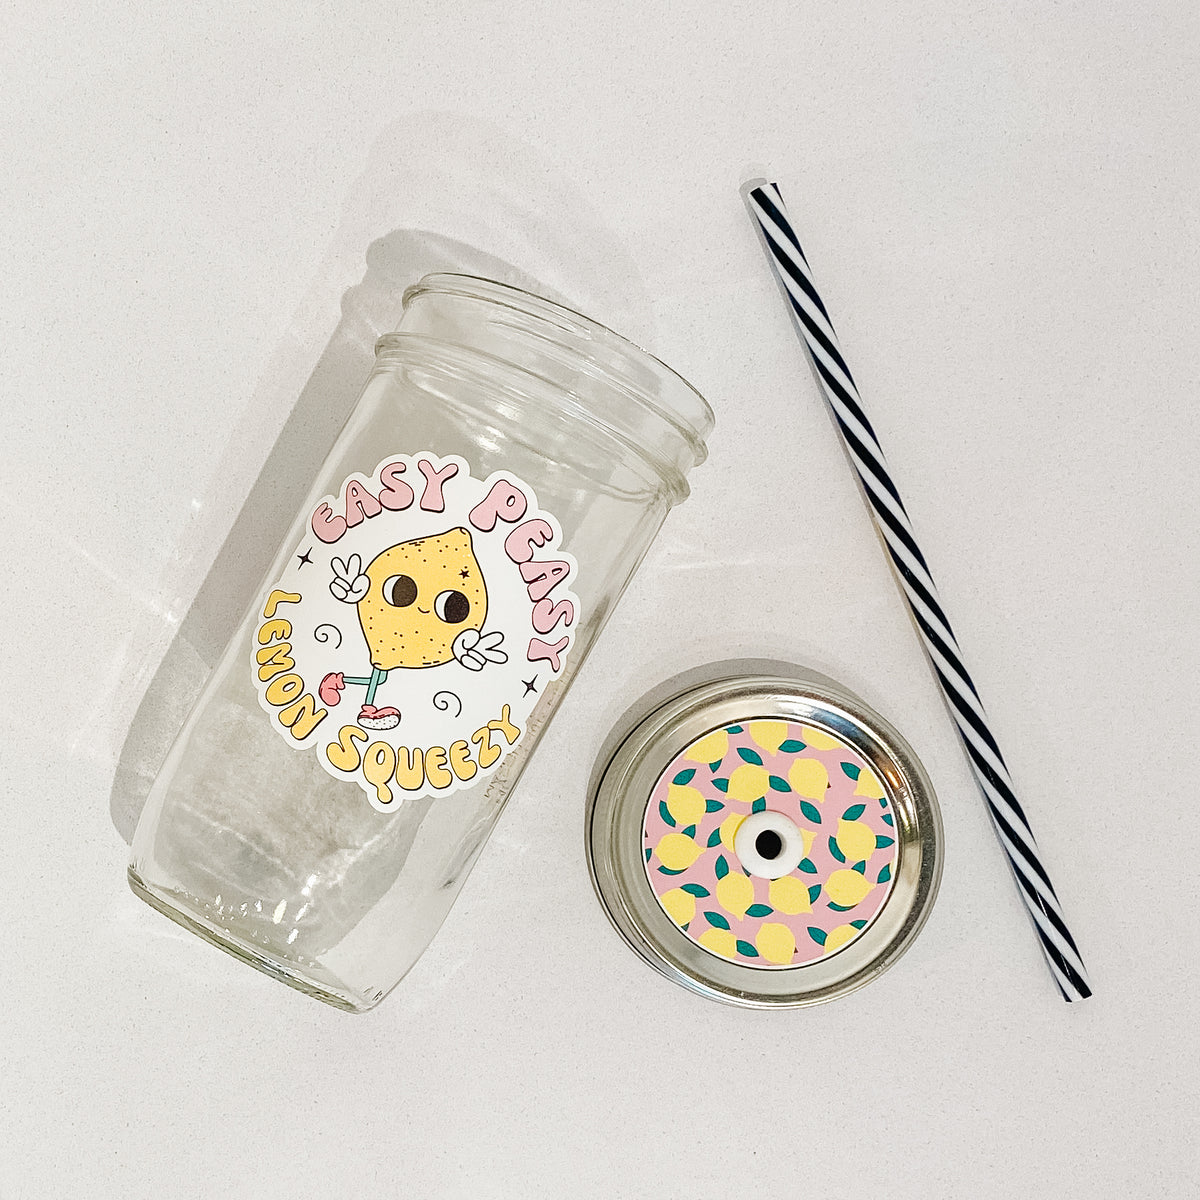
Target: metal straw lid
759, 835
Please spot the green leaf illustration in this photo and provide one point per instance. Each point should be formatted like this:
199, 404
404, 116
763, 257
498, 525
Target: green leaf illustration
885, 874
860, 867
713, 806
722, 867
813, 893
668, 871
854, 812
811, 812
690, 831
722, 785
780, 785
759, 910
836, 850
807, 866
817, 935
883, 802
714, 838
750, 756
791, 746
665, 813
887, 819
648, 853
860, 924
685, 776
733, 729
760, 805
851, 770
881, 841
746, 949
840, 907
695, 889
716, 920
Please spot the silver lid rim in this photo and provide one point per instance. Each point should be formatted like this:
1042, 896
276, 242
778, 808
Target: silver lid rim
617, 803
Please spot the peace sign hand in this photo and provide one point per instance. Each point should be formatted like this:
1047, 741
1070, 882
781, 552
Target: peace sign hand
475, 652
350, 582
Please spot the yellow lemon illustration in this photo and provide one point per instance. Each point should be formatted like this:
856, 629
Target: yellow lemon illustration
809, 778
422, 595
775, 942
719, 941
729, 828
789, 895
677, 851
735, 893
685, 804
709, 749
769, 735
809, 836
680, 905
869, 785
847, 888
748, 783
855, 840
818, 740
837, 938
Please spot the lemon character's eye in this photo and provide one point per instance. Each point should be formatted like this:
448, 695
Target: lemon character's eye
452, 607
400, 590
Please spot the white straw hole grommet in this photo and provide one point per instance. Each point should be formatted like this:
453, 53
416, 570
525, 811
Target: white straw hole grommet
769, 845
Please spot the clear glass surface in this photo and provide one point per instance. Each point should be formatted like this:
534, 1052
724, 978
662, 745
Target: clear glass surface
252, 844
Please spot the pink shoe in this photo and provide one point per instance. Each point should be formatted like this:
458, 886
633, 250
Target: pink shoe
378, 718
331, 688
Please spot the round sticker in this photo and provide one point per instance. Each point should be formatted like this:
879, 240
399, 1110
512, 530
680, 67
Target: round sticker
421, 618
770, 843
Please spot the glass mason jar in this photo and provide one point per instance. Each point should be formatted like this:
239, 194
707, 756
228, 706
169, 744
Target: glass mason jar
505, 470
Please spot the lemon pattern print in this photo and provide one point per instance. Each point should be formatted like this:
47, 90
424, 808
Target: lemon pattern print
845, 817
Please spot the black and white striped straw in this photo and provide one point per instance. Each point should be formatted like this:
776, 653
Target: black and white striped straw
813, 323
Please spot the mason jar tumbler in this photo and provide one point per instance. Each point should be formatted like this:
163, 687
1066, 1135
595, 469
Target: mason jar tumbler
507, 466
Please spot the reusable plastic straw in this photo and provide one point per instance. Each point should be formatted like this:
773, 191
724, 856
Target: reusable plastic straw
815, 328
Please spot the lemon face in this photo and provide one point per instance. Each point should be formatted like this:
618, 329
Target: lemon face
422, 595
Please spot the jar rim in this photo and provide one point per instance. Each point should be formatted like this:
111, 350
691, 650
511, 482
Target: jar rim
468, 362
687, 409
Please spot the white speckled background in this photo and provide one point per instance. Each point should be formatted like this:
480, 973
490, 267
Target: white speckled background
1001, 210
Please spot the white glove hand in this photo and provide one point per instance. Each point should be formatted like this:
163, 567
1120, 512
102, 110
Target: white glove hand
475, 652
350, 582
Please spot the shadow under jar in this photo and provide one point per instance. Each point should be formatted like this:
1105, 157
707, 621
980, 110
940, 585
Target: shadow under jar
505, 470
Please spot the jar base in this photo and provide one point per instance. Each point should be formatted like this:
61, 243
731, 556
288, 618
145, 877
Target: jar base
175, 905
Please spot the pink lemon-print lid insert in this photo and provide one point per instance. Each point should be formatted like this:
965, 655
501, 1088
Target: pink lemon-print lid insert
770, 844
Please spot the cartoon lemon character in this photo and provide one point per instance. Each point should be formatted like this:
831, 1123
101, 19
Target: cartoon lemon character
420, 604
